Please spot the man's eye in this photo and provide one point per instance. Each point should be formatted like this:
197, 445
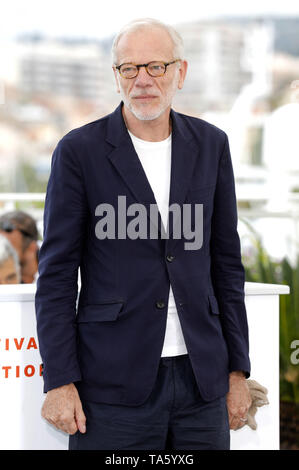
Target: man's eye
157, 68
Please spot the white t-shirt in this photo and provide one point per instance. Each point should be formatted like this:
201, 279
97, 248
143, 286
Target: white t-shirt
155, 158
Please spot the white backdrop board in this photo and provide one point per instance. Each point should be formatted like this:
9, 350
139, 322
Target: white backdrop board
21, 383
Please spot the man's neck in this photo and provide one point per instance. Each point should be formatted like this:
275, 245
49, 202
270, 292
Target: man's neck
152, 131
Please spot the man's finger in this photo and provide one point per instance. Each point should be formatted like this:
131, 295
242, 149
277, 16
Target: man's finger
61, 426
80, 417
235, 423
243, 419
69, 427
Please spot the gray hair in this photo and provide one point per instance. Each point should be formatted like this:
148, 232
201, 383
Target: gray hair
7, 251
178, 45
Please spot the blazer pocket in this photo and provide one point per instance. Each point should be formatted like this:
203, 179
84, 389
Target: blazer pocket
99, 312
213, 304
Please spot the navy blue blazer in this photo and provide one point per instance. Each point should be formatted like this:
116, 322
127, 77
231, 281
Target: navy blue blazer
108, 340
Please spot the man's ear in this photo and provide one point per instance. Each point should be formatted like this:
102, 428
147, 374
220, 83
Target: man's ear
116, 79
182, 72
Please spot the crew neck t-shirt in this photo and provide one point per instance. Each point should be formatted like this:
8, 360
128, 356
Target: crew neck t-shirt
155, 158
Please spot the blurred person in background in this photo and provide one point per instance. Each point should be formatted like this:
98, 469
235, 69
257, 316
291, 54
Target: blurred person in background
10, 271
21, 230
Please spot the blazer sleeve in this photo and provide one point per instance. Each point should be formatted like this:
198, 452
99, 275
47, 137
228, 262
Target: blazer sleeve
65, 218
227, 270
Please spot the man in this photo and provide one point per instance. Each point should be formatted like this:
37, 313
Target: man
10, 272
21, 230
157, 355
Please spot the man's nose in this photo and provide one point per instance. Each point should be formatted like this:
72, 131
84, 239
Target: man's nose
143, 78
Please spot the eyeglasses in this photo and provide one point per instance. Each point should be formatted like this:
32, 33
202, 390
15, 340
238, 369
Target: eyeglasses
155, 68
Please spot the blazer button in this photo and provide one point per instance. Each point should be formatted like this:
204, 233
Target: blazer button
160, 304
170, 258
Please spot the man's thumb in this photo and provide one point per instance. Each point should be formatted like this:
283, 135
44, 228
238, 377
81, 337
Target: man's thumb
80, 417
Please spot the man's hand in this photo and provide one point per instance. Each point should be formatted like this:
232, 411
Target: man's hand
63, 409
238, 399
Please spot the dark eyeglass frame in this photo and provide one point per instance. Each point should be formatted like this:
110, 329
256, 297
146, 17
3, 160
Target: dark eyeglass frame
146, 67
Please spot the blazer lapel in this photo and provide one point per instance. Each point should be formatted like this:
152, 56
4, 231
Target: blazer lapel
184, 154
127, 163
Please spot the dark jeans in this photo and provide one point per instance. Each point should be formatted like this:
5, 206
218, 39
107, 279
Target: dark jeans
173, 417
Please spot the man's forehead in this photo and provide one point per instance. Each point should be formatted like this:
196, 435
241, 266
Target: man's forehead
145, 45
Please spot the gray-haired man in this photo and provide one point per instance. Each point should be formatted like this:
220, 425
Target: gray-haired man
160, 336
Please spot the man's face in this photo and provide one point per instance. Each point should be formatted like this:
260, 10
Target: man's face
16, 239
148, 97
27, 257
8, 272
